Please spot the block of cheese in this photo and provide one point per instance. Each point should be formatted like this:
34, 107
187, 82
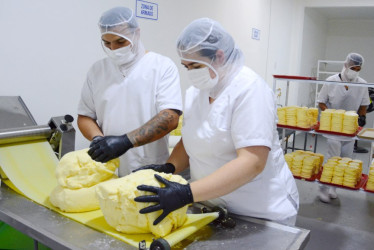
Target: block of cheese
77, 170
122, 212
77, 176
75, 200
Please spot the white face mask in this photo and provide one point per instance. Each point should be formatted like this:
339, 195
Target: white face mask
351, 74
201, 79
120, 56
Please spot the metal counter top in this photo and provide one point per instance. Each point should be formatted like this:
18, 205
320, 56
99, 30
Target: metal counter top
59, 232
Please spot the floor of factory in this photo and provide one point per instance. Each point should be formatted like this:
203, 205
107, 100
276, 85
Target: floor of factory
347, 223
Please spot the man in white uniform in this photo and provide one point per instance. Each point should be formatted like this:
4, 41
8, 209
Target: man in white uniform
349, 98
229, 136
131, 100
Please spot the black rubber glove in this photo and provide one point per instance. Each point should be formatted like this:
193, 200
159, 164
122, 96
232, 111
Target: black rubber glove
109, 147
173, 196
362, 120
96, 139
163, 168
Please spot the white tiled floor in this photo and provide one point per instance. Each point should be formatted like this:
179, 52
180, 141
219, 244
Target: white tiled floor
346, 223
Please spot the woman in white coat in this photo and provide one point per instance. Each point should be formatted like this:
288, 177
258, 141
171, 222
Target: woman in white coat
229, 137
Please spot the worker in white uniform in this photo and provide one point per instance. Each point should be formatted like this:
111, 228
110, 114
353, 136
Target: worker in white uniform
229, 136
349, 98
131, 100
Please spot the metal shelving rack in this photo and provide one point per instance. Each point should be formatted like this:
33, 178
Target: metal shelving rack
313, 80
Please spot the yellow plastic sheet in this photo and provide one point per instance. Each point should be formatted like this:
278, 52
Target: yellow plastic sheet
30, 169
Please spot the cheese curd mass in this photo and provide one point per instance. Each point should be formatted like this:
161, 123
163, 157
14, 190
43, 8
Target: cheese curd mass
77, 176
122, 212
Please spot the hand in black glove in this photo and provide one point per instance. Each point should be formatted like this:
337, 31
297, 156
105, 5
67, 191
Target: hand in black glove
169, 198
362, 120
96, 139
163, 168
109, 147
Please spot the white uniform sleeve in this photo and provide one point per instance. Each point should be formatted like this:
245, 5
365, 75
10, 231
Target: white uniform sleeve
86, 104
323, 94
254, 116
168, 91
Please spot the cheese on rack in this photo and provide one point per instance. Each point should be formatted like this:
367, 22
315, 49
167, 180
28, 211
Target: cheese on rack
291, 119
370, 183
77, 176
342, 171
339, 121
122, 212
350, 123
281, 112
302, 120
325, 120
295, 116
304, 164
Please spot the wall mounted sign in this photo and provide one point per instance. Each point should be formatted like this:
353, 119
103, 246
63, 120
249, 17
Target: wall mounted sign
146, 10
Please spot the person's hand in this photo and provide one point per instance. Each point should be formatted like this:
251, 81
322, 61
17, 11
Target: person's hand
362, 120
162, 168
109, 147
96, 139
173, 196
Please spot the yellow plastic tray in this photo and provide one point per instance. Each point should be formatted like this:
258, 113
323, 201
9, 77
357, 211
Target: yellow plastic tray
30, 168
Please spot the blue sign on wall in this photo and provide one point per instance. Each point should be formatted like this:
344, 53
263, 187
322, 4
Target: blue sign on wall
146, 10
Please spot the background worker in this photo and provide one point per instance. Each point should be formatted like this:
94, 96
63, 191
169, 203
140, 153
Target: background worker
349, 98
131, 100
229, 136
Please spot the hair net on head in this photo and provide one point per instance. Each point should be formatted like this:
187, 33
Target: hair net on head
118, 21
202, 38
121, 21
353, 59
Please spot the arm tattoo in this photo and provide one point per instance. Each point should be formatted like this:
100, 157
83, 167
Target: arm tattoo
159, 126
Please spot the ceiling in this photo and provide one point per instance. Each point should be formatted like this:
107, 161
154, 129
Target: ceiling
355, 13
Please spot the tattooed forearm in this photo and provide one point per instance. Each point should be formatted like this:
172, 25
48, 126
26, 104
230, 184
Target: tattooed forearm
159, 126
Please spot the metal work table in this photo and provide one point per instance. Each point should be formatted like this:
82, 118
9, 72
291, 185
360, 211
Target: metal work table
59, 232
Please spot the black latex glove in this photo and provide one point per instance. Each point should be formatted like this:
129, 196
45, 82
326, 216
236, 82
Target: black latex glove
163, 168
96, 139
362, 120
109, 147
173, 196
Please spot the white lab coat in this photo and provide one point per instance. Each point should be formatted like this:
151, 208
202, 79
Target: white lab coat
337, 97
243, 115
122, 104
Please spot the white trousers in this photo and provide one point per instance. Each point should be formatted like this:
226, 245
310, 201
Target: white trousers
339, 148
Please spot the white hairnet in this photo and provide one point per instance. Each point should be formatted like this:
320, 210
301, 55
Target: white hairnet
121, 21
201, 39
353, 59
118, 21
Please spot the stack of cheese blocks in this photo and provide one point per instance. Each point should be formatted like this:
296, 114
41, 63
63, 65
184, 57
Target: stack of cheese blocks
295, 116
339, 120
370, 183
304, 164
342, 171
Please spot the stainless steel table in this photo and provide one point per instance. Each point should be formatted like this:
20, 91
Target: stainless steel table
59, 232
